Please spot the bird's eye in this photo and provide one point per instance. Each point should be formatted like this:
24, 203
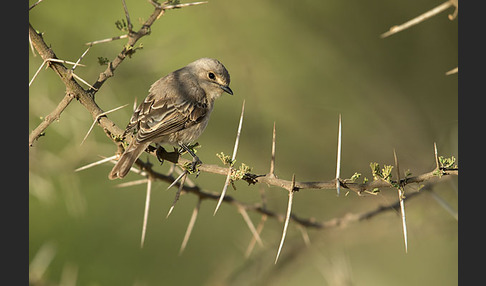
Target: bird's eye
211, 75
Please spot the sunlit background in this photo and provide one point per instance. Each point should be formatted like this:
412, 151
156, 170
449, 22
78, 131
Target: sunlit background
296, 63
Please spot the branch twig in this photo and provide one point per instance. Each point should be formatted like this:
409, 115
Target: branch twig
53, 116
418, 19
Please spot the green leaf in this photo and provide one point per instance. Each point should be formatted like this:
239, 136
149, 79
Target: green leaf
375, 170
241, 172
386, 172
121, 25
408, 173
226, 159
355, 176
103, 61
447, 163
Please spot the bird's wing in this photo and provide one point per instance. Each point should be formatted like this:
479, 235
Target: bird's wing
169, 118
165, 111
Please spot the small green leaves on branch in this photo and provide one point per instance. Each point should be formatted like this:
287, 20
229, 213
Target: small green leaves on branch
121, 25
190, 168
130, 50
241, 172
236, 174
118, 138
226, 159
173, 2
408, 173
102, 61
383, 174
445, 164
353, 178
380, 174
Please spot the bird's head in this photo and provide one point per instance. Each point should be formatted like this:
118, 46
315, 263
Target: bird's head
212, 76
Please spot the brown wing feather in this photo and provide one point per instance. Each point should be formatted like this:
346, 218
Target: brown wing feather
163, 113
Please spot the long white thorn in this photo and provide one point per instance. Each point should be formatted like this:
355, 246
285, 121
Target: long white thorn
96, 163
233, 157
272, 162
37, 72
190, 226
181, 185
436, 154
80, 58
83, 81
287, 218
97, 118
177, 180
404, 222
338, 163
53, 60
146, 211
401, 196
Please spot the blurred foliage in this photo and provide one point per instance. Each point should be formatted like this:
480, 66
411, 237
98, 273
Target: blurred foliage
296, 63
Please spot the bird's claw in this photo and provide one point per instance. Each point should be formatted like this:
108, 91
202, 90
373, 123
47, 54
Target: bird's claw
193, 168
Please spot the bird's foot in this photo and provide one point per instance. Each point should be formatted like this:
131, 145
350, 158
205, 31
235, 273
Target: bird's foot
194, 166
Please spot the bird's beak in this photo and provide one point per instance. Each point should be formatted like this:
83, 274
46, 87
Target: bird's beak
226, 89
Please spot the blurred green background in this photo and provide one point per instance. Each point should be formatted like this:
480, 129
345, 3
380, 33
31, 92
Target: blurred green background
296, 63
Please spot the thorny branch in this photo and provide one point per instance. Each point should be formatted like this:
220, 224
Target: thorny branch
73, 90
53, 116
428, 179
270, 180
87, 99
442, 7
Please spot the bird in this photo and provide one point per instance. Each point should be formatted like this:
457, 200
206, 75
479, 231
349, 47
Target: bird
176, 111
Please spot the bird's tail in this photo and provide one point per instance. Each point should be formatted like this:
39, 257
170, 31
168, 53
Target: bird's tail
127, 159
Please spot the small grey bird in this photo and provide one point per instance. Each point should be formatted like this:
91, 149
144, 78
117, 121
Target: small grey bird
176, 110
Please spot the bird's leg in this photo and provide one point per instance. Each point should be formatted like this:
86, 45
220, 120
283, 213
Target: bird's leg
195, 159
